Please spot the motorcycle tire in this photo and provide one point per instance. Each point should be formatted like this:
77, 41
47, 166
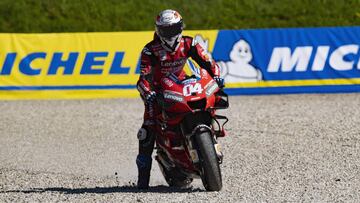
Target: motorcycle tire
211, 173
175, 178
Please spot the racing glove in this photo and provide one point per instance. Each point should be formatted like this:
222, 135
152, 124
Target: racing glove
220, 81
150, 98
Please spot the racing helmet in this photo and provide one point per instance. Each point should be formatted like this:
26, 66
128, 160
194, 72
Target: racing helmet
169, 26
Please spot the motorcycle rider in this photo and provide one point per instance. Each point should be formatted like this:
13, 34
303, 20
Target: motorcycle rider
165, 54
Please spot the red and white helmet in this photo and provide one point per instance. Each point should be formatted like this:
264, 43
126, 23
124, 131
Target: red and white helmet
169, 26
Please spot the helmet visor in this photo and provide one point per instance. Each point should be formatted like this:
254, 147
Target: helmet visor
169, 31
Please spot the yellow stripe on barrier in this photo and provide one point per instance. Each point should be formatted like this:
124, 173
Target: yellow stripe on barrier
68, 94
291, 83
74, 65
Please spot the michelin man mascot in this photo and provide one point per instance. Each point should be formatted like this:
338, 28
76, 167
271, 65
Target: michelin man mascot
239, 68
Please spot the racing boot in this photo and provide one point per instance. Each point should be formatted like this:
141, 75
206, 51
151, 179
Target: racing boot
143, 163
146, 138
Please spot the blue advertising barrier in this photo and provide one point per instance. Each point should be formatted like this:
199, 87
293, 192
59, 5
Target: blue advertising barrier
296, 60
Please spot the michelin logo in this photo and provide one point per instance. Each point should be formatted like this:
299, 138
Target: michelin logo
239, 68
282, 60
63, 63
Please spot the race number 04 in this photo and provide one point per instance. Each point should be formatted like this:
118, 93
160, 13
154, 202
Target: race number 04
191, 89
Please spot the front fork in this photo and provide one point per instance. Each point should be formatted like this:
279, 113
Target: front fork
190, 142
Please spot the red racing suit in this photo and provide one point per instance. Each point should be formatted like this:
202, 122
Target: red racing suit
157, 62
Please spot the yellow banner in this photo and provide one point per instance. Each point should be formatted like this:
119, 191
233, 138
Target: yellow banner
74, 65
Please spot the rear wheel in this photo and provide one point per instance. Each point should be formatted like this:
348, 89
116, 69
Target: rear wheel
211, 174
173, 176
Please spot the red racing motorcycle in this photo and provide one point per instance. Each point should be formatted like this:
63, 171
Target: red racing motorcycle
188, 128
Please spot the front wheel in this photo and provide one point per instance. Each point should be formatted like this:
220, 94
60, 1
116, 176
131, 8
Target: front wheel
211, 174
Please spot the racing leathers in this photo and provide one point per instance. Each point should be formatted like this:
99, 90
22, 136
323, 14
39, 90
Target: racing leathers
157, 62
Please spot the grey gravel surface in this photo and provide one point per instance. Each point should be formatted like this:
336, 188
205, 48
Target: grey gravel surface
289, 148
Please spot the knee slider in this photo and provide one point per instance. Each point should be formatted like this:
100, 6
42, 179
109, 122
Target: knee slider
145, 137
142, 134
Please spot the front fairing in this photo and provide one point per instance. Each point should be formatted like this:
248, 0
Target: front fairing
189, 95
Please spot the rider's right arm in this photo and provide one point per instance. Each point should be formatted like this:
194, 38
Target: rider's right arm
144, 84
